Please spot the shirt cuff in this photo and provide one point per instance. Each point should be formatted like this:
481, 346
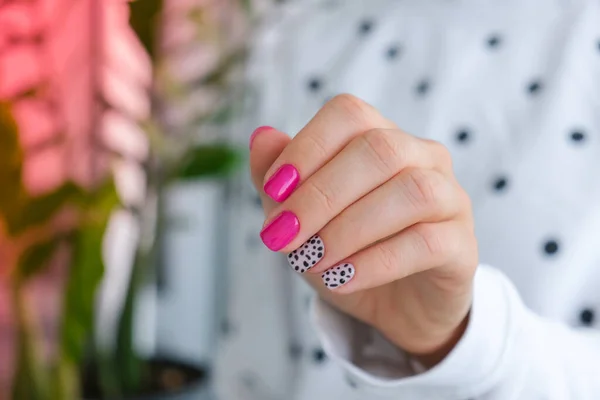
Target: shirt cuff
472, 368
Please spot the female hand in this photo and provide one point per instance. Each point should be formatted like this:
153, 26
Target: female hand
375, 220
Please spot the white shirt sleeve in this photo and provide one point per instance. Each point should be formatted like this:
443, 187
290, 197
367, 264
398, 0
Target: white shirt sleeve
507, 352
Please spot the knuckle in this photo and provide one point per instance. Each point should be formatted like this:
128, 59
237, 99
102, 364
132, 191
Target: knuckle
349, 103
316, 147
466, 204
352, 107
441, 154
425, 190
387, 259
323, 195
385, 149
461, 247
431, 240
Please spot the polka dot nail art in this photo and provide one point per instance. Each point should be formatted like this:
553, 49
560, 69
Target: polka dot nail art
338, 276
305, 257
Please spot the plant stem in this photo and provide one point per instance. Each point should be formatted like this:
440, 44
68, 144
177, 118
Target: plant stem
126, 360
65, 380
31, 376
128, 363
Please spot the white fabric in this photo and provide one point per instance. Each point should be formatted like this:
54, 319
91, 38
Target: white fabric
521, 80
506, 353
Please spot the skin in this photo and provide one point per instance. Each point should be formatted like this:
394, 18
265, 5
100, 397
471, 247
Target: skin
388, 203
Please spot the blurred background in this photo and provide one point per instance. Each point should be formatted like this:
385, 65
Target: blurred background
115, 153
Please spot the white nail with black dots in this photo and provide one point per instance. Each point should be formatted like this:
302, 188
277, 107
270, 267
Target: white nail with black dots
338, 275
308, 255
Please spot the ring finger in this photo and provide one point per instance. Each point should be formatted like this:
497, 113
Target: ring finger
412, 196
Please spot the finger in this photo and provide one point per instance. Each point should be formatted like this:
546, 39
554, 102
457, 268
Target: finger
332, 128
367, 162
418, 248
266, 144
412, 196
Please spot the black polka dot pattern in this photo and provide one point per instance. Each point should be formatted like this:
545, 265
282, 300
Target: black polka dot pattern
534, 87
319, 356
338, 275
551, 247
365, 27
463, 136
315, 84
500, 184
308, 255
392, 52
422, 88
577, 136
587, 317
494, 41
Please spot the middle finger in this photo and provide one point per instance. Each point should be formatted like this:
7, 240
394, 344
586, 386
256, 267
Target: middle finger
367, 162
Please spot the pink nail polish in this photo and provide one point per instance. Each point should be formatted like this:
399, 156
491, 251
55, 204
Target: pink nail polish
281, 231
258, 131
282, 183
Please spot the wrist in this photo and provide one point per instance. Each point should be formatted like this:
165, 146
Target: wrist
435, 356
428, 330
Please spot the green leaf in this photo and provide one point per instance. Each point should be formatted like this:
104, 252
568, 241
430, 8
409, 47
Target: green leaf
36, 257
11, 162
143, 19
102, 201
219, 117
222, 116
207, 161
65, 380
219, 75
40, 209
31, 376
127, 362
9, 133
247, 5
197, 15
85, 274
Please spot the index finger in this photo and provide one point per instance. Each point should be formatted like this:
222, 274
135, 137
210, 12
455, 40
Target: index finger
332, 128
266, 144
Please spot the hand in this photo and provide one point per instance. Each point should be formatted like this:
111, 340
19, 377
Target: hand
375, 220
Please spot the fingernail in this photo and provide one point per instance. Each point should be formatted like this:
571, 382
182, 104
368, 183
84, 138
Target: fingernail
338, 276
257, 131
282, 183
281, 231
305, 257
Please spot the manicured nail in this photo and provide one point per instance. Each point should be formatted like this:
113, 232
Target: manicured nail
305, 257
338, 276
282, 183
258, 131
281, 231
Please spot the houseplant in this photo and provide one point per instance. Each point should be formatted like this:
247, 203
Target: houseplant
36, 227
39, 227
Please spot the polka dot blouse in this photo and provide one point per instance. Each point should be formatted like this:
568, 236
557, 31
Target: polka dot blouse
512, 89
